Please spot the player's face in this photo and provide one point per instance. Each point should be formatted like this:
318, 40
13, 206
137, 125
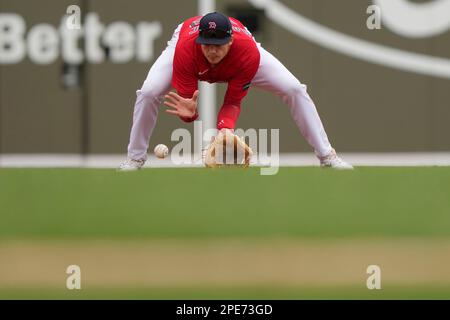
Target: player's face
214, 53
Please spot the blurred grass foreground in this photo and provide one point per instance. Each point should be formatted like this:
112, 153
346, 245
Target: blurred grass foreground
197, 233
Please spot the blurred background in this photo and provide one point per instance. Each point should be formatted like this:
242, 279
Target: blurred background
75, 100
197, 233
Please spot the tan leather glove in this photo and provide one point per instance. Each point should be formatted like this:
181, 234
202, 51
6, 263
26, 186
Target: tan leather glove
227, 149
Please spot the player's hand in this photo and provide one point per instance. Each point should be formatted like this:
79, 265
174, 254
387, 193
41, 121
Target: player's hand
185, 108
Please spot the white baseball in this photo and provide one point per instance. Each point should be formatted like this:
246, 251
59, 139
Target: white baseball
161, 151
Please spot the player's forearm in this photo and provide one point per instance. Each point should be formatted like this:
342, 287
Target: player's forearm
228, 116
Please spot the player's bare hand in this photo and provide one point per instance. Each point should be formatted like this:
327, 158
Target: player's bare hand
181, 107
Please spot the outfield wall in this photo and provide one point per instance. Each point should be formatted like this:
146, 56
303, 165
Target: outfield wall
367, 101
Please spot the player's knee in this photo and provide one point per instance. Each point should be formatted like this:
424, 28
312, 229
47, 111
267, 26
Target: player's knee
150, 93
296, 88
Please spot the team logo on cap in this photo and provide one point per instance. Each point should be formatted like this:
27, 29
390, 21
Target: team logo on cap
212, 25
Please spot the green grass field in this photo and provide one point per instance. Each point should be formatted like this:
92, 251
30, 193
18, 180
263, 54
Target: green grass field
297, 203
257, 293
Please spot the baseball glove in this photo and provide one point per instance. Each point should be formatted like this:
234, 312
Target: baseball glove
227, 149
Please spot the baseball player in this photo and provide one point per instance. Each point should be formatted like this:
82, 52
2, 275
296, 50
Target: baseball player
216, 48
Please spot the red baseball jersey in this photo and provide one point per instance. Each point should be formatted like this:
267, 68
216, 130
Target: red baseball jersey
238, 68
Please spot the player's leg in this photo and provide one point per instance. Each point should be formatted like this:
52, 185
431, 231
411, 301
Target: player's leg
147, 104
148, 100
273, 76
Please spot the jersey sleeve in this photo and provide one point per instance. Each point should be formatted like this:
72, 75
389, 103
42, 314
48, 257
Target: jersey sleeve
183, 76
237, 90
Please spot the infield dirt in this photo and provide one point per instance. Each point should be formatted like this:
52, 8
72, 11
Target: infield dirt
224, 262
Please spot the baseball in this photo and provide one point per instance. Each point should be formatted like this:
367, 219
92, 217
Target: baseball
161, 151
